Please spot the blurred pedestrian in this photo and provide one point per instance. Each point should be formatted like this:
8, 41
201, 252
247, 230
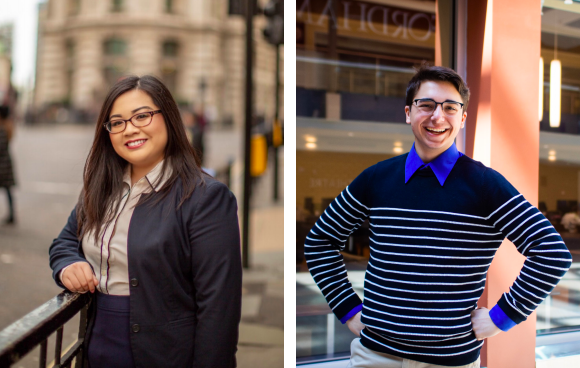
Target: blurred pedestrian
571, 219
155, 238
6, 171
194, 132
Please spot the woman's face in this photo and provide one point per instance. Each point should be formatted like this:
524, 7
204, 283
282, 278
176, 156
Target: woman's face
147, 143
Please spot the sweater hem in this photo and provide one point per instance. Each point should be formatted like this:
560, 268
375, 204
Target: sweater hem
450, 361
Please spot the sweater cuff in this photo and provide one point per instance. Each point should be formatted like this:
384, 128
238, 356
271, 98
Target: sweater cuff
349, 315
500, 319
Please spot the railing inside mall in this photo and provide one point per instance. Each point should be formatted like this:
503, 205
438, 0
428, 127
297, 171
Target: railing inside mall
34, 329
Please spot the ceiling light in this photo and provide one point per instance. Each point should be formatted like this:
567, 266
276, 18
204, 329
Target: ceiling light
552, 153
311, 146
552, 158
568, 2
398, 144
555, 92
541, 101
398, 149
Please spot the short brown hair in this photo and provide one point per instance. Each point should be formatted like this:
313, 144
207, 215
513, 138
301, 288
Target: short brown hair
436, 74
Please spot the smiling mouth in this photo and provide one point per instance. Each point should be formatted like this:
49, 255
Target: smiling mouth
435, 131
136, 143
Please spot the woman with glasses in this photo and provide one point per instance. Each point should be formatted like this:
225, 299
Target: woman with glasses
154, 238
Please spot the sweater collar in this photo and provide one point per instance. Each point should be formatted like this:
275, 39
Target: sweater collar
441, 165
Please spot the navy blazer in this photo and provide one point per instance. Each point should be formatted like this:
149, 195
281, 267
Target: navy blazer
185, 275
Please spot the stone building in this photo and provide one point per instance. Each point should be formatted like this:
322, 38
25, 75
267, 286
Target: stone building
194, 46
6, 31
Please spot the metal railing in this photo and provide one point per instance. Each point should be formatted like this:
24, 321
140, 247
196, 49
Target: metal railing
36, 327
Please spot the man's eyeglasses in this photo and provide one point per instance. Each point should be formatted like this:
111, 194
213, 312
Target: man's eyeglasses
427, 106
139, 120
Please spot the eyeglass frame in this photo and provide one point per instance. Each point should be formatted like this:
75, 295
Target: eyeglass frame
129, 120
438, 103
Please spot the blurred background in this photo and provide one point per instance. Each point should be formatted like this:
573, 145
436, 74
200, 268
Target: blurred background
354, 61
58, 59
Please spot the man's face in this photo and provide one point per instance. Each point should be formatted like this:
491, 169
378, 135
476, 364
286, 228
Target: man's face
435, 132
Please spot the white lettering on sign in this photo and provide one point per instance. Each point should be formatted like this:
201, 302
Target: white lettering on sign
405, 21
346, 14
385, 18
328, 9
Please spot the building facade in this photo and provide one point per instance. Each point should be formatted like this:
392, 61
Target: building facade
6, 31
194, 46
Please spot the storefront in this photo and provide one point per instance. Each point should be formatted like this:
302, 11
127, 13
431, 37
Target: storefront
354, 60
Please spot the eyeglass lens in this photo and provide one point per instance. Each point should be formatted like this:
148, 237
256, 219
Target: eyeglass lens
139, 120
428, 106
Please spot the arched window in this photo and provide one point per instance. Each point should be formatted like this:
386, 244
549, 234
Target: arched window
117, 6
115, 60
169, 64
115, 47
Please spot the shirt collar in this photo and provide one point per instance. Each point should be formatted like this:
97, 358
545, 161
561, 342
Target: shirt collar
151, 177
441, 165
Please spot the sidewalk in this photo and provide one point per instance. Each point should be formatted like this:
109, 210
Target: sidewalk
261, 341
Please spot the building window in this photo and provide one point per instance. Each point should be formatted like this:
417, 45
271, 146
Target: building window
115, 47
170, 49
353, 73
74, 7
70, 66
115, 60
169, 6
169, 64
117, 6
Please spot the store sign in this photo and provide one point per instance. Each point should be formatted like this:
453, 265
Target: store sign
368, 18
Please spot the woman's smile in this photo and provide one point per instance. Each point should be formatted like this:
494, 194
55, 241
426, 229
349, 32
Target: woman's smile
135, 143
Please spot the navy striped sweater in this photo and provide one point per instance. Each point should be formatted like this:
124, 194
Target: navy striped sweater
430, 249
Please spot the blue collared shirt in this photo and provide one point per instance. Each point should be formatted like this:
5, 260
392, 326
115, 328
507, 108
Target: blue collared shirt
441, 166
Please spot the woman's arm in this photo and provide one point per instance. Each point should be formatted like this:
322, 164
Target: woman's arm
64, 249
214, 236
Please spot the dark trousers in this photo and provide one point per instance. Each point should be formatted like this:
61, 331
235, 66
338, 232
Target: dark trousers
109, 345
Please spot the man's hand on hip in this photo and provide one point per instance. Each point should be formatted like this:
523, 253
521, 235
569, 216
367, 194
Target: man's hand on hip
355, 325
482, 324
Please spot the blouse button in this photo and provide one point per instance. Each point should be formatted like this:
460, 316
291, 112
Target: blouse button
134, 282
135, 328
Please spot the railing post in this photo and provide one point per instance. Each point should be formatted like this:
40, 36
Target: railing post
81, 359
42, 359
58, 346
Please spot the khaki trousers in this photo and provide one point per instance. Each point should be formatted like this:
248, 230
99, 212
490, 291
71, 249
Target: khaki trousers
362, 357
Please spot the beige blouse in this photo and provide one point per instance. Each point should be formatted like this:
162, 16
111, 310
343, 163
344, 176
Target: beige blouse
109, 257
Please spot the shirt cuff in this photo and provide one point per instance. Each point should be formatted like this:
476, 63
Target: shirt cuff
349, 315
500, 319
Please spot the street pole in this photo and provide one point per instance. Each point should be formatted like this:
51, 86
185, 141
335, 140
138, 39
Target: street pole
276, 121
248, 131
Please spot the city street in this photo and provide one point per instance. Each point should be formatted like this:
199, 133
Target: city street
49, 161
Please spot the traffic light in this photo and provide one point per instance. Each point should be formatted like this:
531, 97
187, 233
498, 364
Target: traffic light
274, 31
259, 155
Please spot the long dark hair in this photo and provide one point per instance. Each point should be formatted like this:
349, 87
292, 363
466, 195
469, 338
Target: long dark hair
104, 168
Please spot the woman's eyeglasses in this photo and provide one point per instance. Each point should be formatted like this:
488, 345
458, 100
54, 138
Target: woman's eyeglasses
427, 106
139, 120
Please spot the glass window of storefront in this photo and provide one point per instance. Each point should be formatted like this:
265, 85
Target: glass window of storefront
559, 189
354, 60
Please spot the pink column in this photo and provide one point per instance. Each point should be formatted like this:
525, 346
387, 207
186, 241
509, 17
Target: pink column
503, 48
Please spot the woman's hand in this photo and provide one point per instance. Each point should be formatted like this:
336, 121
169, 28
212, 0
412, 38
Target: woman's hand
79, 278
355, 325
482, 324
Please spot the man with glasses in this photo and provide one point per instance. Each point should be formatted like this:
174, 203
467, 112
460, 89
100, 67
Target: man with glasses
436, 218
